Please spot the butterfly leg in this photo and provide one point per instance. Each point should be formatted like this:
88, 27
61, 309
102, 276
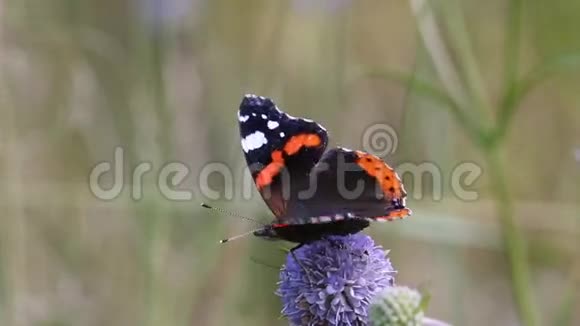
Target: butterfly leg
300, 264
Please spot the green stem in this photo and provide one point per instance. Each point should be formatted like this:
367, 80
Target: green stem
514, 241
512, 43
517, 90
429, 90
512, 88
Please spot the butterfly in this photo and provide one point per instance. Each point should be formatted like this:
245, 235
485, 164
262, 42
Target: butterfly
313, 192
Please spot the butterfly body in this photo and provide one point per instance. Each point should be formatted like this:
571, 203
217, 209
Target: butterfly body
304, 233
311, 191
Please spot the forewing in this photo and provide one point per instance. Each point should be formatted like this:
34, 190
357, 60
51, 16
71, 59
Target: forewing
280, 150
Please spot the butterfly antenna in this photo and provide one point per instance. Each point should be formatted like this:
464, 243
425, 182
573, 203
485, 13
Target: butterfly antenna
236, 237
228, 213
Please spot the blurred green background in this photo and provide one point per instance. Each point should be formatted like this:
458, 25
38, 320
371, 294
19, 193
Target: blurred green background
489, 82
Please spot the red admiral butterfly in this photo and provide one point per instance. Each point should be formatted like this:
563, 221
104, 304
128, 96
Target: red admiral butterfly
311, 192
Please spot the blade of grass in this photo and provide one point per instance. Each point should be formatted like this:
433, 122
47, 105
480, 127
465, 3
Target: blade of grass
512, 44
514, 242
517, 91
512, 50
427, 89
431, 38
467, 62
565, 314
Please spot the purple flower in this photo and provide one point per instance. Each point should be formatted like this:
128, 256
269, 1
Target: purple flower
334, 280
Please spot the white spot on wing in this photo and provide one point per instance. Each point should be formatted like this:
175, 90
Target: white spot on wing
282, 134
243, 118
264, 116
253, 114
254, 141
273, 124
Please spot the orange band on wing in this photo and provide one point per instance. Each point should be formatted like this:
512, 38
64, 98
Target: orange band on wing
303, 140
294, 144
266, 176
385, 175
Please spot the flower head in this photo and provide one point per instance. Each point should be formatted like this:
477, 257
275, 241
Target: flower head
332, 281
398, 305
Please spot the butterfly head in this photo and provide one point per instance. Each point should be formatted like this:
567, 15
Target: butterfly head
268, 232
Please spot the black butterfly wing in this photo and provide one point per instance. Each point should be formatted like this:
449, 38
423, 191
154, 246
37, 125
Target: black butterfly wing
280, 150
